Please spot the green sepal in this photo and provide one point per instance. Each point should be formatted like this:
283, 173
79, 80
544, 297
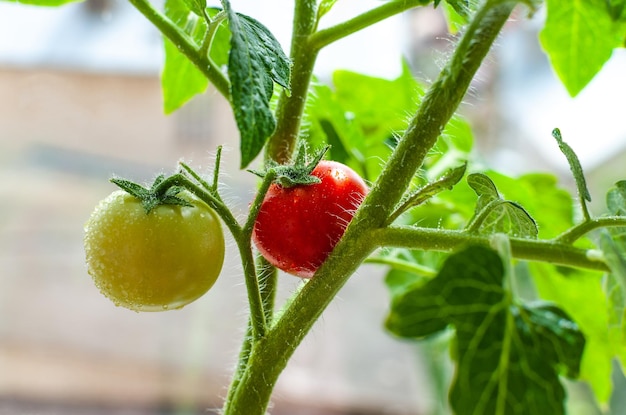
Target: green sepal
153, 197
299, 172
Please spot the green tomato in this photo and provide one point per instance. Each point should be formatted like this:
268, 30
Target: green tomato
153, 261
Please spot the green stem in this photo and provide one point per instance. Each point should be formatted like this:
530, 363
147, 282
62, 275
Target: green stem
244, 244
573, 234
270, 354
213, 25
327, 36
268, 281
282, 143
402, 265
437, 108
185, 44
526, 249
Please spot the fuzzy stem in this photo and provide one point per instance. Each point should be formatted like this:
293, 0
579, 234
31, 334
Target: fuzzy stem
270, 354
327, 36
587, 226
290, 108
437, 108
185, 44
241, 235
446, 241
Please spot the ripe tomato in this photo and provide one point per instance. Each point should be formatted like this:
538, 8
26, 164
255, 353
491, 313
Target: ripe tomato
297, 227
157, 261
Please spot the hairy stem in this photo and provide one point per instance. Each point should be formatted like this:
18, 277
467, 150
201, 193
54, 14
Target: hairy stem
241, 235
437, 108
185, 44
290, 108
587, 226
447, 241
270, 354
327, 36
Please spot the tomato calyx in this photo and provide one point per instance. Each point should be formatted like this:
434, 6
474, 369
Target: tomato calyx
298, 172
154, 196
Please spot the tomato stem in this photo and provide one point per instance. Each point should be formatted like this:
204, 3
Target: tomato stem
185, 44
329, 35
447, 240
578, 231
290, 108
242, 238
269, 355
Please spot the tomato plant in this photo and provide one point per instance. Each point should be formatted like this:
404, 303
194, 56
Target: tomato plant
298, 226
454, 244
153, 261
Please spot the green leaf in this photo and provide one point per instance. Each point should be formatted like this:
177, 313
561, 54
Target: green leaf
324, 7
46, 3
508, 356
484, 188
612, 242
461, 7
616, 8
579, 37
256, 61
616, 199
495, 215
577, 171
580, 294
196, 6
362, 132
421, 195
180, 79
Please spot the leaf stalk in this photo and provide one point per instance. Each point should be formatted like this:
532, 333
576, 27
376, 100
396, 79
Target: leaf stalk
447, 241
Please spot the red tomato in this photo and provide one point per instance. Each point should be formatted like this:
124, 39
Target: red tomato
297, 227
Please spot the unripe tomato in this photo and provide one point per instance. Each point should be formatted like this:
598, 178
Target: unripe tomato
297, 227
153, 261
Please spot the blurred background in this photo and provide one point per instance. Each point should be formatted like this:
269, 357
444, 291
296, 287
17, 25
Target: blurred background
80, 101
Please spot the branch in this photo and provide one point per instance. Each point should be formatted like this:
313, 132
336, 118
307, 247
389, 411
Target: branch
242, 238
290, 108
573, 234
438, 106
525, 249
327, 36
185, 44
269, 355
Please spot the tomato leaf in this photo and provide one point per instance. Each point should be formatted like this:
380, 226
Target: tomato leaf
577, 171
616, 199
579, 37
495, 215
612, 242
570, 289
324, 7
180, 79
196, 6
509, 356
461, 7
256, 61
616, 8
362, 132
426, 192
47, 3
